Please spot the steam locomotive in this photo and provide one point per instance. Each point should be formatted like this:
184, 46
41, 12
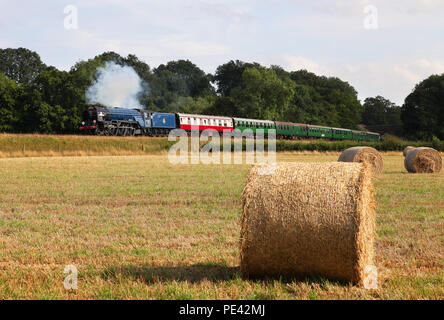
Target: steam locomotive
99, 120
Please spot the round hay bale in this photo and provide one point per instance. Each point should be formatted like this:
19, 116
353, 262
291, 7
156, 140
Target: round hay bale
423, 160
308, 219
363, 154
407, 150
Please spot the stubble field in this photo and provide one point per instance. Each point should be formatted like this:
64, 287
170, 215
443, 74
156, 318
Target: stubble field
138, 227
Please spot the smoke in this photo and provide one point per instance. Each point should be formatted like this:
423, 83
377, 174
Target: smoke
115, 86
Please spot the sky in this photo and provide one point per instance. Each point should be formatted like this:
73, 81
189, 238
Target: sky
381, 47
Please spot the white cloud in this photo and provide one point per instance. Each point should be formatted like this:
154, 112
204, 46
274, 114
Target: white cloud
293, 63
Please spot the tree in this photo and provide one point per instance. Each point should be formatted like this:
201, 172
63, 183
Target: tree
324, 101
9, 93
229, 76
423, 111
262, 94
194, 79
223, 106
381, 111
179, 86
63, 102
21, 65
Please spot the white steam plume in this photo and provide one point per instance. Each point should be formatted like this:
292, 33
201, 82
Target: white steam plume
116, 86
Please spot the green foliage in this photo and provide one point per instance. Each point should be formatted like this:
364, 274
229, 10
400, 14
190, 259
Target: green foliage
229, 76
322, 145
324, 101
437, 144
339, 146
9, 93
423, 111
390, 138
21, 65
262, 94
252, 91
381, 111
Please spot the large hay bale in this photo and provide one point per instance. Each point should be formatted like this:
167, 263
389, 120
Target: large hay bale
407, 150
423, 160
363, 154
308, 219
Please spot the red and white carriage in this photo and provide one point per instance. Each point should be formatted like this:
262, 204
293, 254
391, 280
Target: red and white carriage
200, 122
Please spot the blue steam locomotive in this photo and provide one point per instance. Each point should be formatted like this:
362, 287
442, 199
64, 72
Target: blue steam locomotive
98, 120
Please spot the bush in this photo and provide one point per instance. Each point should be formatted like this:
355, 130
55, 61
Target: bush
437, 144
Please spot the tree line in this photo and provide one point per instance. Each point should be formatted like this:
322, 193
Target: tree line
35, 97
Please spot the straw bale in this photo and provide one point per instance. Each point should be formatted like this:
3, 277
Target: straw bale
307, 219
407, 150
363, 154
423, 160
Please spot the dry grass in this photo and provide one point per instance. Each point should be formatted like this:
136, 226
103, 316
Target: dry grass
137, 227
40, 145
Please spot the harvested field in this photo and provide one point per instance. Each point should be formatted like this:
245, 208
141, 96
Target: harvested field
137, 227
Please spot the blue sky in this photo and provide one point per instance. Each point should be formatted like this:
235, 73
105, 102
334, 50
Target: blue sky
327, 37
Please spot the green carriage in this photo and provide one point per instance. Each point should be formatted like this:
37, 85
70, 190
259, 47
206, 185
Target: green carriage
342, 134
291, 130
319, 132
252, 124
